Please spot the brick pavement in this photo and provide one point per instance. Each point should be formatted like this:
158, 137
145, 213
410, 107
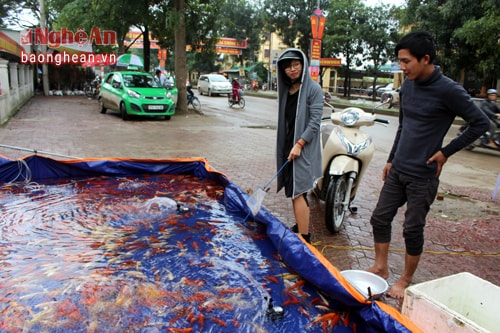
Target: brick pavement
73, 126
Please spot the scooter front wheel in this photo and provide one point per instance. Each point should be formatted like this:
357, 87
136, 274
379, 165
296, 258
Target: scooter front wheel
335, 212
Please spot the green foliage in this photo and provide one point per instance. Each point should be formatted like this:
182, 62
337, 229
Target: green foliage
353, 31
482, 35
379, 38
291, 19
118, 16
242, 21
262, 72
9, 10
466, 33
7, 7
346, 24
72, 15
203, 25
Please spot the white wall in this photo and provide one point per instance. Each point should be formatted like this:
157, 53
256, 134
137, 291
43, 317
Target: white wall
16, 88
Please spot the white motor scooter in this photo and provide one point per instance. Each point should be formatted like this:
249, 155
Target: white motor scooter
347, 152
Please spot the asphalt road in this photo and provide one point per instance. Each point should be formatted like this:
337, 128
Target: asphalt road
478, 168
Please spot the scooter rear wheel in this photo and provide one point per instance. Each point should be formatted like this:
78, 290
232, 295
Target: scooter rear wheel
335, 213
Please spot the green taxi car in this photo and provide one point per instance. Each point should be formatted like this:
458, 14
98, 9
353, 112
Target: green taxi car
135, 93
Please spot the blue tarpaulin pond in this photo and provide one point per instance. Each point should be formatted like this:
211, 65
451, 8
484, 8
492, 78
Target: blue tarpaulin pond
148, 245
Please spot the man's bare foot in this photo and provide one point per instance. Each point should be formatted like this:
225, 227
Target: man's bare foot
398, 290
382, 272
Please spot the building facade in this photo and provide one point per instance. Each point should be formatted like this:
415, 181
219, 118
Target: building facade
16, 79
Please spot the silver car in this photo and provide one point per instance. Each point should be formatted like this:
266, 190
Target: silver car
390, 97
214, 84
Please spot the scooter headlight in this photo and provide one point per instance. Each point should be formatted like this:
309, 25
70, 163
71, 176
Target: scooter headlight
349, 117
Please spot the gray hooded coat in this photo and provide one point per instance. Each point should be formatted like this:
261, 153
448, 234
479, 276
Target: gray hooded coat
306, 168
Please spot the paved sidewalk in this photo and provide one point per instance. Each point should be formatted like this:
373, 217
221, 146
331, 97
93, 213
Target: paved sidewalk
73, 126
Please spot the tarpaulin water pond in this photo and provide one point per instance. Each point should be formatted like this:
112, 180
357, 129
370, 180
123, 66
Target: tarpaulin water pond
127, 245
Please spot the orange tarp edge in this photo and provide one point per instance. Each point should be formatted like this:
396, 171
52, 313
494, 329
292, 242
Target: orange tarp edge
359, 297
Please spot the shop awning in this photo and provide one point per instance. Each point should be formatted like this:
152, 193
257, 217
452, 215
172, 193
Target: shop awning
9, 45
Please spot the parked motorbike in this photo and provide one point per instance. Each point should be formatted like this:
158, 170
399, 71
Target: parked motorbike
482, 142
347, 152
255, 86
231, 100
92, 89
326, 97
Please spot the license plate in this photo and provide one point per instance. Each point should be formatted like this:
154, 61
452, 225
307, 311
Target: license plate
155, 107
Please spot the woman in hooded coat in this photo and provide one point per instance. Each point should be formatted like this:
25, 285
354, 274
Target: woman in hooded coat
300, 103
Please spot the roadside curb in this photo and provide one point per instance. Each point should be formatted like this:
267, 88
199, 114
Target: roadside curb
343, 105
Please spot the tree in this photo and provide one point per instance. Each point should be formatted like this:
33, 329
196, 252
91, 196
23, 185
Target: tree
291, 20
10, 9
461, 29
107, 15
170, 19
380, 33
243, 22
7, 7
485, 44
346, 19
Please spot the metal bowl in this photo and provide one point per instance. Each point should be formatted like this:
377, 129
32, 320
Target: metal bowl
368, 284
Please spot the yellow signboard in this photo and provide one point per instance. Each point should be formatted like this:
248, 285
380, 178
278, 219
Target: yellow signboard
330, 62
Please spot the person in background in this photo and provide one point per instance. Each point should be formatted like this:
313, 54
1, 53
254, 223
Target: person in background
300, 108
159, 78
430, 102
169, 82
189, 91
490, 107
236, 90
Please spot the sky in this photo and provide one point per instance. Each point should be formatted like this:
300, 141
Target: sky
26, 17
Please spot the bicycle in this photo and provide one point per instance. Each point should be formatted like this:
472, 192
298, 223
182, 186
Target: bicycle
194, 101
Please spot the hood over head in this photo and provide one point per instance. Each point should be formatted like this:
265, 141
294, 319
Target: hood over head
284, 61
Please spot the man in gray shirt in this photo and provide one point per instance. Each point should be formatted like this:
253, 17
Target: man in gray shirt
430, 102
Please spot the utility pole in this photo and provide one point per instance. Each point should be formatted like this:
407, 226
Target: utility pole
45, 67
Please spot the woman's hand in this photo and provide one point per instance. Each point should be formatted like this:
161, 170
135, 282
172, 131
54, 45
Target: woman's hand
295, 152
